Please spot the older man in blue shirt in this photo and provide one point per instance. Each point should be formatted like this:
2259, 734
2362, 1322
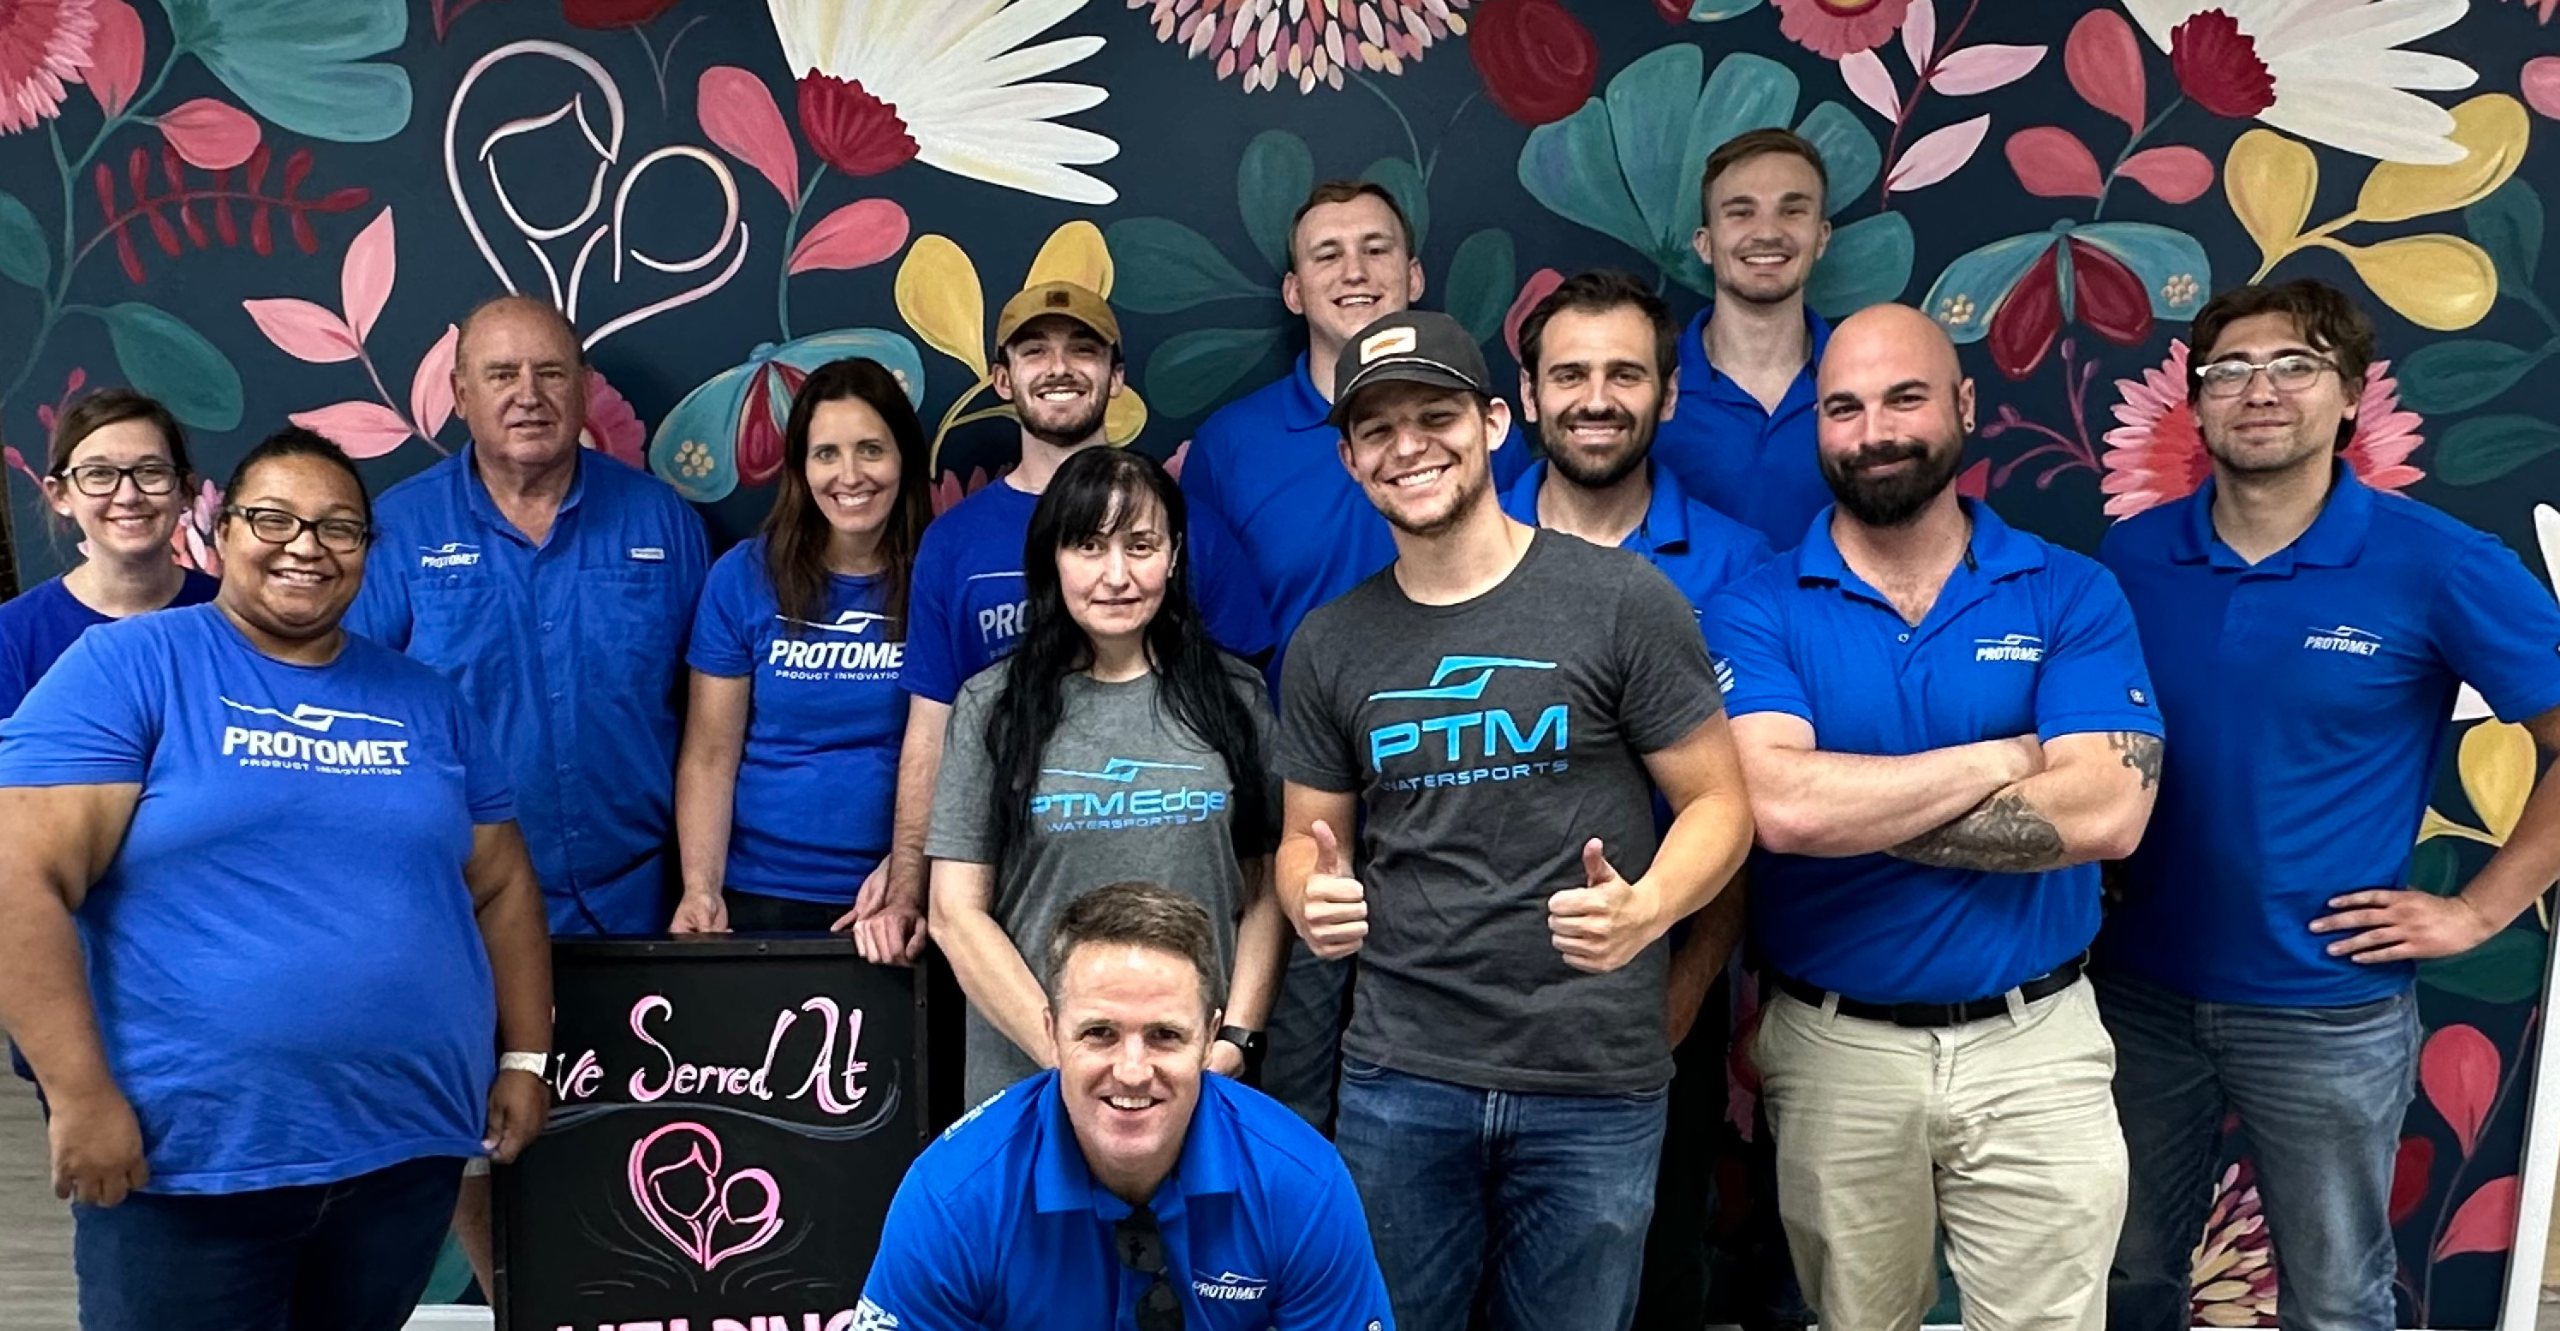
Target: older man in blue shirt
2308, 636
556, 586
1945, 724
1127, 1188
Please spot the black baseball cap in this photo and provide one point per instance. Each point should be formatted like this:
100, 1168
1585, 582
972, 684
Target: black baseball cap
1411, 346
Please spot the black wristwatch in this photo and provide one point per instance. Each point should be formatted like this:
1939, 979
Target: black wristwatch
1252, 1043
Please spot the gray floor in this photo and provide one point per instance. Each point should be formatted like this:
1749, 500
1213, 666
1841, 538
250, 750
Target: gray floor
35, 1231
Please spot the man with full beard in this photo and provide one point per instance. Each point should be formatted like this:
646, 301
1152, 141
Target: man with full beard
1490, 715
1741, 436
1058, 362
1945, 724
1600, 369
2309, 634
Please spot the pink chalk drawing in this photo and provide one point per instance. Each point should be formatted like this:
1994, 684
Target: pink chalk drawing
689, 1201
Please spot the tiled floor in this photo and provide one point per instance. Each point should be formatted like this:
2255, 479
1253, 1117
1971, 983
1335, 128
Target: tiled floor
35, 1232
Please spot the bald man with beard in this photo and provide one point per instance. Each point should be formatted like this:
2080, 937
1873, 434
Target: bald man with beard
1944, 724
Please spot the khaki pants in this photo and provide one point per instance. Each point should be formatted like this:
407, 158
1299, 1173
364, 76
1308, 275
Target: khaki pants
2002, 1131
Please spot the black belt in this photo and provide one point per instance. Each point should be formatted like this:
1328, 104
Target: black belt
1938, 1014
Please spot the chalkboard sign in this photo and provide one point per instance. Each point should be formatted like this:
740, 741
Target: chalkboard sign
733, 1117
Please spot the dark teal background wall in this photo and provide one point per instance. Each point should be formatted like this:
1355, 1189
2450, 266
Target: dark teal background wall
269, 208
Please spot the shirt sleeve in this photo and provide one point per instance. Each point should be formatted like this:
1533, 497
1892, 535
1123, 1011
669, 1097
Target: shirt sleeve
93, 720
485, 785
2499, 629
1748, 646
930, 670
381, 609
1230, 601
1668, 687
1315, 740
689, 549
1331, 1282
721, 644
15, 678
964, 790
2092, 677
1512, 460
924, 1276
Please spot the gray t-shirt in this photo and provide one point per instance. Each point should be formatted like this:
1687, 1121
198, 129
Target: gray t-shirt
1488, 740
1126, 792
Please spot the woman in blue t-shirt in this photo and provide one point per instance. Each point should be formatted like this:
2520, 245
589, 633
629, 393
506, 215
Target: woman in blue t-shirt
119, 472
266, 926
789, 769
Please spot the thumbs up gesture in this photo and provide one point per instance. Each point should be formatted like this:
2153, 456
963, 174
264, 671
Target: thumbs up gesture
1335, 917
1602, 924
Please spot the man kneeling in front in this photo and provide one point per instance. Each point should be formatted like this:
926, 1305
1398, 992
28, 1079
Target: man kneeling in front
1124, 1188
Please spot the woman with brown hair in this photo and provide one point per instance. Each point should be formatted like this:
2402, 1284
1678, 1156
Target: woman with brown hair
789, 770
119, 472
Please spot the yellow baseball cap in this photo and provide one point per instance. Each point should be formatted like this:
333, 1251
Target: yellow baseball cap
1075, 301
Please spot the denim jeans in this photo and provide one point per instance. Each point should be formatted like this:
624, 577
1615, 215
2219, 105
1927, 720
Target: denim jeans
347, 1256
1528, 1209
1304, 1054
2319, 1092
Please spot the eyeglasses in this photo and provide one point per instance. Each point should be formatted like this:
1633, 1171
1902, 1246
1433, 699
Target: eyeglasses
2289, 374
98, 480
1141, 1248
274, 526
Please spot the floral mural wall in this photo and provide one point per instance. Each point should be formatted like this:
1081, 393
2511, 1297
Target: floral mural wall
262, 210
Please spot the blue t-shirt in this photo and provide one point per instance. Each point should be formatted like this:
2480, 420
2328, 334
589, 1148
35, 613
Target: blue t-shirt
1700, 550
965, 608
1747, 462
289, 980
2025, 638
999, 1226
2306, 698
44, 620
1267, 470
571, 651
819, 775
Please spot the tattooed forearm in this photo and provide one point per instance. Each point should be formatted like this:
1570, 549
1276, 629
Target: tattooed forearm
2139, 752
2003, 834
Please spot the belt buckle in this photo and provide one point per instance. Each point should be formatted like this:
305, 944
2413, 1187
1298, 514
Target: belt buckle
1928, 1015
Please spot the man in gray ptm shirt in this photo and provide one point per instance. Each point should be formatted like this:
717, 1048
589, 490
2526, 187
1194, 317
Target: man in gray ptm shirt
1500, 704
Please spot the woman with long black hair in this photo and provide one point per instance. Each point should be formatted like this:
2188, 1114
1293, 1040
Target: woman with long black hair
1117, 743
789, 769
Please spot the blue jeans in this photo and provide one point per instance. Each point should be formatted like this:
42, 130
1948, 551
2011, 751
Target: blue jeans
1530, 1209
2320, 1093
1304, 1057
347, 1256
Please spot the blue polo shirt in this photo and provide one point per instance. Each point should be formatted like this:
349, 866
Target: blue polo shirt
967, 600
999, 1226
1745, 461
2306, 698
571, 651
1267, 469
2025, 638
1700, 550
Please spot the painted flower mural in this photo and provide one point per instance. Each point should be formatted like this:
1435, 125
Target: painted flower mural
43, 45
2065, 182
1538, 61
2155, 454
2331, 73
1834, 28
951, 84
1269, 42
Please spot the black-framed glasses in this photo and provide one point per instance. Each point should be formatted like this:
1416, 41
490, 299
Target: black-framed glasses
2289, 373
343, 536
98, 479
1141, 1248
